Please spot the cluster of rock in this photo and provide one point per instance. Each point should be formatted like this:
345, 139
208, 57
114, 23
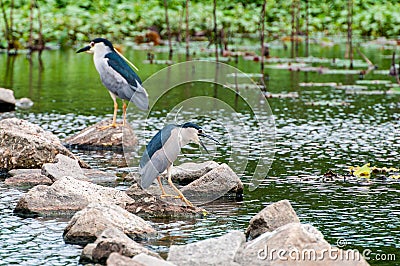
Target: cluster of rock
106, 220
274, 236
103, 218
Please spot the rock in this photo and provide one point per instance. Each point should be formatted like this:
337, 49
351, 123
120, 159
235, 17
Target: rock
24, 103
287, 241
99, 177
28, 180
92, 138
33, 177
147, 260
25, 145
63, 166
116, 259
188, 172
270, 218
86, 255
113, 241
213, 251
15, 172
148, 205
66, 196
213, 185
7, 100
87, 224
109, 232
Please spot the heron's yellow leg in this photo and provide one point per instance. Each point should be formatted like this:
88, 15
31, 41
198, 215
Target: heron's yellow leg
180, 195
124, 112
114, 121
163, 193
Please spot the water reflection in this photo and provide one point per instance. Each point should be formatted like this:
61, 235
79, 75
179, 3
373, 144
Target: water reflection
310, 140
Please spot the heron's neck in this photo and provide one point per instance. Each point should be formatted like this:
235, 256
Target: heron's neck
101, 51
186, 136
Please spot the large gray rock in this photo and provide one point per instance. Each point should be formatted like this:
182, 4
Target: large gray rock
213, 185
116, 259
24, 103
33, 177
270, 218
214, 251
7, 100
63, 166
149, 205
25, 145
99, 177
16, 172
94, 138
281, 247
87, 224
28, 179
147, 260
188, 172
113, 240
67, 196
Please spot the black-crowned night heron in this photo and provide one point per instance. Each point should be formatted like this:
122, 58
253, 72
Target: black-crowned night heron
118, 77
162, 151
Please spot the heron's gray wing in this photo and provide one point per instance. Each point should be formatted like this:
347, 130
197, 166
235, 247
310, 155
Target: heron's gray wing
133, 91
153, 168
160, 153
121, 66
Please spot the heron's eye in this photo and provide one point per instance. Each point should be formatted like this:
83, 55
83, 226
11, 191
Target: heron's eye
200, 131
91, 44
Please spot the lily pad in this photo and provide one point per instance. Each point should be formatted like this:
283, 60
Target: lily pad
316, 84
365, 92
351, 87
394, 90
244, 86
368, 171
291, 66
392, 85
327, 103
366, 81
363, 171
220, 59
343, 71
373, 92
346, 63
381, 72
244, 75
282, 95
158, 62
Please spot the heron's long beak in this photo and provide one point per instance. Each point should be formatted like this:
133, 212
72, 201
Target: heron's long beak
209, 137
84, 49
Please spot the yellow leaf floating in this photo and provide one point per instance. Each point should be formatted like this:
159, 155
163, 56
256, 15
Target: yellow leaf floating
363, 171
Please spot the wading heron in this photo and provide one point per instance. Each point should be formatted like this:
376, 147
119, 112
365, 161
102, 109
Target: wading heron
117, 76
162, 151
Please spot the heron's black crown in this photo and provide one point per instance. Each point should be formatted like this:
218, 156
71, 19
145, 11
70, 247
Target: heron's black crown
190, 124
105, 41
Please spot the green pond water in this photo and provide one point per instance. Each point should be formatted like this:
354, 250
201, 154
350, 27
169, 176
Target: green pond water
317, 129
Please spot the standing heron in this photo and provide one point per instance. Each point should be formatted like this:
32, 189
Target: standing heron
117, 76
162, 151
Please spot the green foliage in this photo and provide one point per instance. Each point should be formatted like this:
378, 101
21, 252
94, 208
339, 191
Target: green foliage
67, 22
